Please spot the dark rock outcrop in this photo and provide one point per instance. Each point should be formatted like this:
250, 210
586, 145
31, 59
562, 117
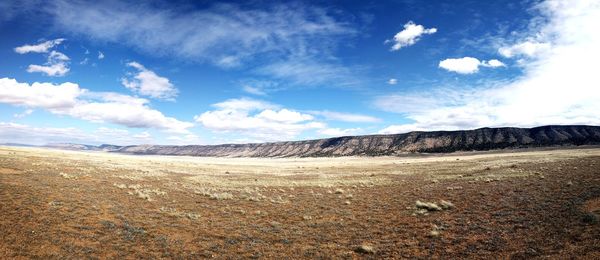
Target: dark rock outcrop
372, 145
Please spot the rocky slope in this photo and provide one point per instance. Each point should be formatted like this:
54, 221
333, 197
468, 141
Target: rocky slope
413, 142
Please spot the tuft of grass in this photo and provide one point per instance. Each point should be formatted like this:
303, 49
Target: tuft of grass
446, 204
365, 249
434, 233
68, 176
429, 206
221, 196
174, 212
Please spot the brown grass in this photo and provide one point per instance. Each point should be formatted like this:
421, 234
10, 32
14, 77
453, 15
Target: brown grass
59, 204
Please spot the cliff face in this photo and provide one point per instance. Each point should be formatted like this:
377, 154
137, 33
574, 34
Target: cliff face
413, 142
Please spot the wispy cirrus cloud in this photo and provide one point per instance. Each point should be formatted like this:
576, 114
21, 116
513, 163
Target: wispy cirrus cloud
222, 34
345, 117
42, 47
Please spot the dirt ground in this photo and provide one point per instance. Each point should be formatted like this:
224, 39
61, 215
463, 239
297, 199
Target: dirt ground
519, 205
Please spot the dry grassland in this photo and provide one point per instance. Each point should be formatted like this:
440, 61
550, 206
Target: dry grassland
527, 204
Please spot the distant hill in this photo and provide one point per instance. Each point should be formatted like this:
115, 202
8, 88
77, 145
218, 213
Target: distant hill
482, 139
372, 145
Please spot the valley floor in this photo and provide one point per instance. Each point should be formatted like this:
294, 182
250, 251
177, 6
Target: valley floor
521, 205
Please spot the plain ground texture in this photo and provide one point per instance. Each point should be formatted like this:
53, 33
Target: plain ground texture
521, 205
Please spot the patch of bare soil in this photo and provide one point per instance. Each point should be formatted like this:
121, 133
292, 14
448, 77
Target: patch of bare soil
520, 205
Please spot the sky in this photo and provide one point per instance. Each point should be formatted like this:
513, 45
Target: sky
209, 72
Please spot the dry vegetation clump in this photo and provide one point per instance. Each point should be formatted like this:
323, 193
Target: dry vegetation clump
252, 194
140, 191
429, 206
422, 208
175, 213
279, 200
365, 249
213, 194
68, 176
446, 204
221, 196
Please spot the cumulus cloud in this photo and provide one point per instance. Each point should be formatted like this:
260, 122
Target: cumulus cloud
43, 47
345, 117
493, 63
410, 35
559, 86
258, 119
57, 62
468, 65
69, 99
42, 95
100, 55
392, 81
147, 83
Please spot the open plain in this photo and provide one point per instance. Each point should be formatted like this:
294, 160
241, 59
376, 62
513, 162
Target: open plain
520, 204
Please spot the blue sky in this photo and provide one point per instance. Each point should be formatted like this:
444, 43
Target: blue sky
189, 72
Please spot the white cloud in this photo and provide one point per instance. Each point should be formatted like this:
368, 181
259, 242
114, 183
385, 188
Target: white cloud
410, 35
559, 86
130, 114
244, 104
24, 114
392, 81
100, 55
52, 69
340, 132
253, 90
310, 72
146, 82
493, 63
224, 34
69, 99
468, 65
42, 95
57, 62
345, 117
258, 119
39, 48
527, 48
283, 116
